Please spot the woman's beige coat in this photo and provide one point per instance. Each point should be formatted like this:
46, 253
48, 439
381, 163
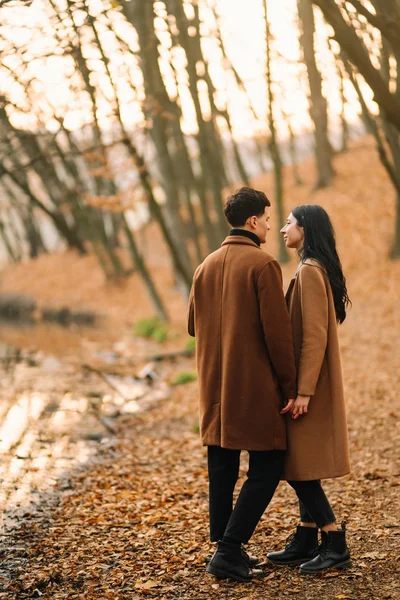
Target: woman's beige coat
317, 441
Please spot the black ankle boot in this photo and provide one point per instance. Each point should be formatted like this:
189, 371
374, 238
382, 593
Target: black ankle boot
252, 560
333, 554
300, 546
229, 561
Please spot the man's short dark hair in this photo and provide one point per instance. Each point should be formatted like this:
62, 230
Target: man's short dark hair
245, 203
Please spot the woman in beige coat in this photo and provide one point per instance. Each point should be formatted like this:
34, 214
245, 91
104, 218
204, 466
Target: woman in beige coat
316, 421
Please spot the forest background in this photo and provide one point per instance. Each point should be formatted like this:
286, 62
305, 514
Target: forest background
124, 125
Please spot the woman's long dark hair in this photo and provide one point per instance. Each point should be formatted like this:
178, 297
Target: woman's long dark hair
320, 244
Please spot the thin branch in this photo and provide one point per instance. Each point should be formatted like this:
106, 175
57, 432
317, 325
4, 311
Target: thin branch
12, 3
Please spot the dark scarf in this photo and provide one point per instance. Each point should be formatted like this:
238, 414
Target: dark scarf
252, 236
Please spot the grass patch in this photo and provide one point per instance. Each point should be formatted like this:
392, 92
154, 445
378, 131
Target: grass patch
152, 328
160, 334
184, 377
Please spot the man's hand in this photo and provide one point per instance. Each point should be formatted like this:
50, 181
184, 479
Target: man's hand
300, 406
288, 406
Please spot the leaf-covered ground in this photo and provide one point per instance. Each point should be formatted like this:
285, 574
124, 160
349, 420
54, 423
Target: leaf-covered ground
132, 523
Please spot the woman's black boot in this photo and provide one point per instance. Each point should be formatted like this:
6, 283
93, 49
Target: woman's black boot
333, 554
300, 547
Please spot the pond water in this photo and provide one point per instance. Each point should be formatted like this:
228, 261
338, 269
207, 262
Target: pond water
54, 417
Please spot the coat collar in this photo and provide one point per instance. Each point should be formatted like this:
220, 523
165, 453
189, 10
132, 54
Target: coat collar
239, 239
311, 262
245, 233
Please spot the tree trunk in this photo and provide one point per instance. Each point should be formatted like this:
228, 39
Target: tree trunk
395, 253
209, 159
159, 110
391, 134
292, 150
104, 185
67, 233
391, 169
345, 126
27, 145
236, 152
273, 142
357, 53
179, 265
7, 242
33, 235
145, 274
317, 101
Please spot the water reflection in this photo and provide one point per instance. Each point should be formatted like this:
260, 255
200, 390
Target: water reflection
53, 414
42, 428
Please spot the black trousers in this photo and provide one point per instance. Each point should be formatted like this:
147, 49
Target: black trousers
265, 470
313, 503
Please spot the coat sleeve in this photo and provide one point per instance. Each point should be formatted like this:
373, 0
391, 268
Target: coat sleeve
314, 311
276, 325
190, 313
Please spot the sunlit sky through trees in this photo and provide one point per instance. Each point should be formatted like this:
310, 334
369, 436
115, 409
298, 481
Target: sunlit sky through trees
54, 87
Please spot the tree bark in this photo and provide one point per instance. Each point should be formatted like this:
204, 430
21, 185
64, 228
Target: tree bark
144, 272
357, 53
317, 101
179, 265
57, 217
273, 142
391, 169
292, 150
7, 242
159, 111
210, 159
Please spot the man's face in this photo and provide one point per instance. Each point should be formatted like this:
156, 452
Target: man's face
262, 225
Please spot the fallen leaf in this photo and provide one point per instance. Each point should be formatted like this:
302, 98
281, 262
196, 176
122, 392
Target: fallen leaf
375, 555
148, 585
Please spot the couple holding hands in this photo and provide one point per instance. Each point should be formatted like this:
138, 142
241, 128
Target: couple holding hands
270, 382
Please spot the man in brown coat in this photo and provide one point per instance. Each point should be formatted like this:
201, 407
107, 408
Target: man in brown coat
246, 369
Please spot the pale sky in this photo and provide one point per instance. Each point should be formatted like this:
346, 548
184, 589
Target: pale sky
243, 32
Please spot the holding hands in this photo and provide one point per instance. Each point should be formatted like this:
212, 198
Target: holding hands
297, 407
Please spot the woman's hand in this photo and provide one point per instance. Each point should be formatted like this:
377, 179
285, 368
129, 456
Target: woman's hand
300, 406
288, 407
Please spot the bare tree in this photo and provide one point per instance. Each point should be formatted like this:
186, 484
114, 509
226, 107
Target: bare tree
355, 52
210, 146
292, 149
317, 101
358, 54
11, 3
273, 140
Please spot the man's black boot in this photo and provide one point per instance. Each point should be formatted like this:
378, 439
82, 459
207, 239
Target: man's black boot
253, 560
229, 561
333, 554
300, 547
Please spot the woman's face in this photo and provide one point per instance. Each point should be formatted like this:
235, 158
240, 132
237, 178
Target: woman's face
293, 234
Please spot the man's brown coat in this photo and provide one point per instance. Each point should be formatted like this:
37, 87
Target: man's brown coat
317, 441
244, 347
